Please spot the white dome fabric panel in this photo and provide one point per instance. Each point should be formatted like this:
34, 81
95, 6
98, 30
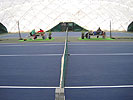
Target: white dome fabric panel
45, 14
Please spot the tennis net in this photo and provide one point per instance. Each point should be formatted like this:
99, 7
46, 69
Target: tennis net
63, 65
59, 92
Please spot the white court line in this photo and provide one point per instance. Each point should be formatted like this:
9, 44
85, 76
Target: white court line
116, 86
30, 55
109, 54
14, 45
89, 44
76, 87
27, 87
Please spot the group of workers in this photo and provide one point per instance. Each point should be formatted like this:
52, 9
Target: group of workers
99, 32
41, 33
35, 34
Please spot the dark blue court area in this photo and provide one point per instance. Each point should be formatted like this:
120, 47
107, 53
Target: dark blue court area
97, 64
100, 64
104, 63
27, 94
100, 94
30, 64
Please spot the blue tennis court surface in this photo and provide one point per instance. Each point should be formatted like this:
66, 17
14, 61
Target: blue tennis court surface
95, 71
94, 68
27, 94
29, 65
100, 64
100, 94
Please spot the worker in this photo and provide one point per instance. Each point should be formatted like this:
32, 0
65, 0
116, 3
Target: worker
42, 33
33, 33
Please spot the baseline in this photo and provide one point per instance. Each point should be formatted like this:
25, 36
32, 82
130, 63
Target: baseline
31, 55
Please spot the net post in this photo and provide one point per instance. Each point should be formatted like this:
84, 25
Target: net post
59, 94
20, 38
110, 30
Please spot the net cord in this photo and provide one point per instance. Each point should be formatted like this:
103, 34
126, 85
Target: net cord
63, 62
63, 67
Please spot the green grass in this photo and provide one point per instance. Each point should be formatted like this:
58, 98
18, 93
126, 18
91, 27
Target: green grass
96, 39
37, 39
